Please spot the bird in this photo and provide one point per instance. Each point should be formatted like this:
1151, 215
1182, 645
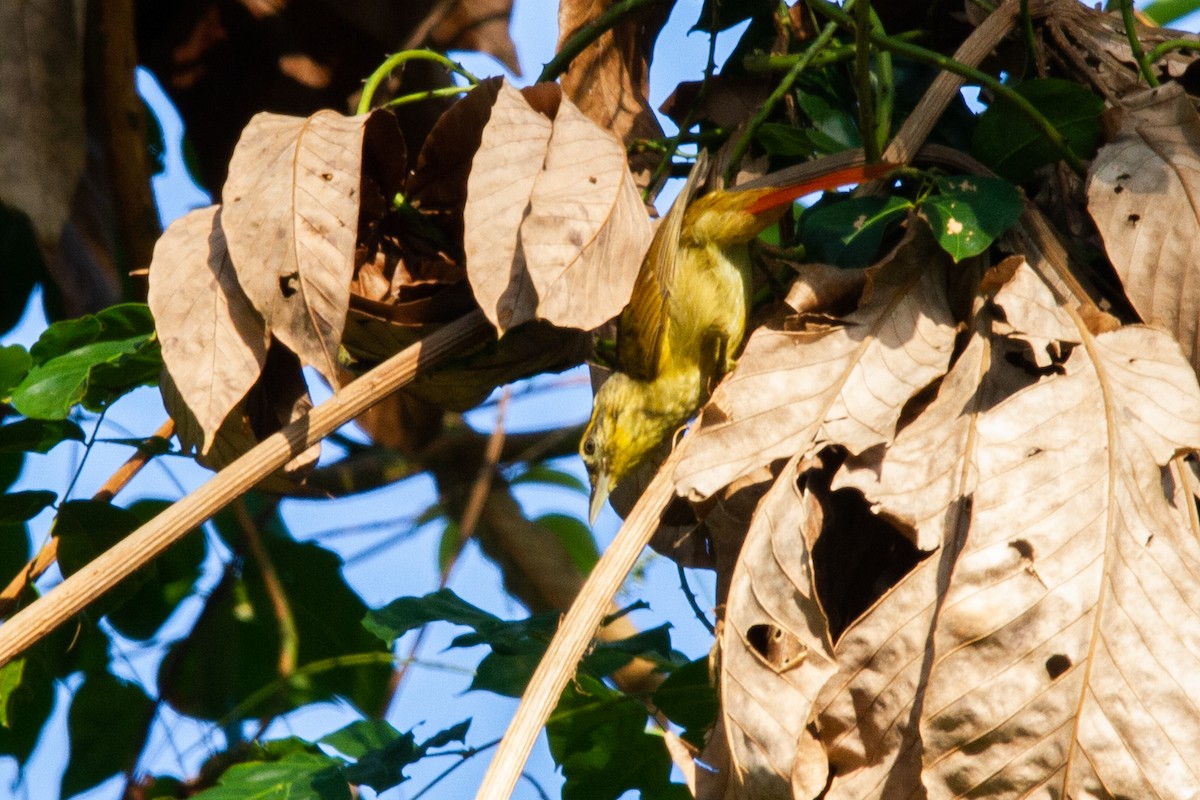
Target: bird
686, 317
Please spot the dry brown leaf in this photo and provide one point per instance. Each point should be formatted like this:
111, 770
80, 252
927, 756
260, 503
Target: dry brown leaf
42, 140
609, 81
555, 229
1144, 194
291, 220
479, 25
1049, 648
214, 343
776, 652
799, 385
278, 397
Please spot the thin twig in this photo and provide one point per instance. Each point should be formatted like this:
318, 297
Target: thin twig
49, 552
691, 598
285, 619
962, 70
768, 106
134, 551
1163, 48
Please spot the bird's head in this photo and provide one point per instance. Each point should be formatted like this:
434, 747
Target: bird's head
627, 423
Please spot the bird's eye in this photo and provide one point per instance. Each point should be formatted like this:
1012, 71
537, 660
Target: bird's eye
589, 447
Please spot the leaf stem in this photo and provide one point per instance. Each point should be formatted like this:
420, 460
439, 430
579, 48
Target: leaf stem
393, 62
862, 80
781, 90
1135, 44
428, 94
764, 62
589, 33
990, 82
1170, 45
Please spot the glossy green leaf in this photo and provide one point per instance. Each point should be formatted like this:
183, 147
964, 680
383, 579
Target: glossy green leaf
1164, 12
1011, 145
37, 435
106, 728
575, 536
969, 212
848, 233
91, 360
299, 775
23, 506
598, 738
15, 362
407, 613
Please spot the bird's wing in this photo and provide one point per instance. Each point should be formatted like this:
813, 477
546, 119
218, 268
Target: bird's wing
642, 329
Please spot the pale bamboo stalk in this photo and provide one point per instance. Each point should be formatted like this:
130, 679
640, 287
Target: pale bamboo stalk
134, 551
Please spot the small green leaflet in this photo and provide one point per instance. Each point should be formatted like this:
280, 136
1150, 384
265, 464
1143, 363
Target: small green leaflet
848, 233
970, 211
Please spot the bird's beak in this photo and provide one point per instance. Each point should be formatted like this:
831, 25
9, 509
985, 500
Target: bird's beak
600, 488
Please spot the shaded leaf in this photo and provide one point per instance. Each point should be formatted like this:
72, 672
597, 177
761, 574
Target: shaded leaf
107, 726
598, 738
22, 506
479, 25
37, 435
689, 699
576, 537
848, 233
1142, 194
1008, 142
214, 343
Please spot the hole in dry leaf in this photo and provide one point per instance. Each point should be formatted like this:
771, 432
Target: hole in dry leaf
1056, 665
1133, 218
287, 283
779, 648
858, 555
1118, 189
326, 176
1124, 176
1023, 547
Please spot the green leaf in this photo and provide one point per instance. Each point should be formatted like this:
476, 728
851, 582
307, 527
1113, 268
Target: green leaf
598, 737
233, 650
26, 697
541, 473
1009, 143
785, 140
970, 212
91, 360
299, 775
1164, 12
22, 506
85, 529
576, 538
169, 579
848, 233
106, 728
653, 644
382, 752
37, 435
406, 613
689, 700
834, 129
450, 544
15, 362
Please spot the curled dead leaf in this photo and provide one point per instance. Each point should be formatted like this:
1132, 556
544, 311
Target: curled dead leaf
554, 228
214, 343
